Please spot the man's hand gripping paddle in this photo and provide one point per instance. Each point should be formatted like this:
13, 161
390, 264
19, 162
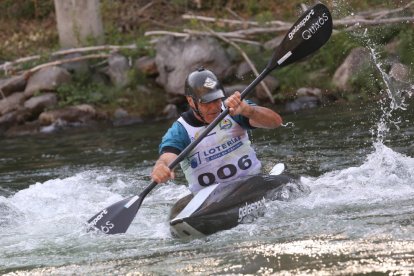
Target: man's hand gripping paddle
311, 31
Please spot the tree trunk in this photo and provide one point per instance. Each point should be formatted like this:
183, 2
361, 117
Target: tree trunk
79, 23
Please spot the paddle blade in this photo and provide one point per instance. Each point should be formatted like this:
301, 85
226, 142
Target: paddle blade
310, 32
116, 218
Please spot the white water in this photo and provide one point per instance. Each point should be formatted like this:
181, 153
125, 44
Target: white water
43, 225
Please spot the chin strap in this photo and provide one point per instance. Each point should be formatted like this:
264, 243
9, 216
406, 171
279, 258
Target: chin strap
197, 111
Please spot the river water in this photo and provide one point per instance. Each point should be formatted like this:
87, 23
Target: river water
357, 160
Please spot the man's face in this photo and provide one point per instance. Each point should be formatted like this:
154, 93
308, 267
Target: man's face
209, 111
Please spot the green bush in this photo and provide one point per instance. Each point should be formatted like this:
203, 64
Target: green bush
24, 9
83, 89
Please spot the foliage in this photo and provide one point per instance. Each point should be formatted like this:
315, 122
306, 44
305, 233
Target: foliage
28, 28
365, 84
83, 89
406, 46
318, 69
24, 10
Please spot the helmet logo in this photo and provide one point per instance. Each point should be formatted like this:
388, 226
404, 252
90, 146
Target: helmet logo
210, 83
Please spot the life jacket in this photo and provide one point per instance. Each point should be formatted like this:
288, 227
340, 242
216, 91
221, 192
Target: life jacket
225, 154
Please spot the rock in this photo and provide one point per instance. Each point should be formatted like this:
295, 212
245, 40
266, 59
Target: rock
177, 57
170, 112
46, 79
353, 64
229, 90
11, 85
400, 72
118, 70
272, 83
274, 43
306, 91
127, 121
243, 69
120, 113
13, 118
39, 103
77, 67
147, 66
176, 99
392, 47
305, 102
74, 114
12, 102
28, 128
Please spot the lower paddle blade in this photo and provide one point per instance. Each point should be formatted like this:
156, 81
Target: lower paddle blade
116, 218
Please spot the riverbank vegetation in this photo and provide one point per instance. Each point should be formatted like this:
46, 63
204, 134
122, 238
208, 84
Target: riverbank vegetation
29, 28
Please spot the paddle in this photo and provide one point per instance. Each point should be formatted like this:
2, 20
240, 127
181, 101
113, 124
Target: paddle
311, 31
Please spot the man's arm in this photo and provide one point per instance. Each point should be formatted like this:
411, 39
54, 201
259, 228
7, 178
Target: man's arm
258, 116
161, 172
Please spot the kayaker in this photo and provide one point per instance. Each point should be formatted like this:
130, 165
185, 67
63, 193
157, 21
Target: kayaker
225, 154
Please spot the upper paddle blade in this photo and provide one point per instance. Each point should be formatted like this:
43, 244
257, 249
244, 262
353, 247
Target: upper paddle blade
310, 32
116, 218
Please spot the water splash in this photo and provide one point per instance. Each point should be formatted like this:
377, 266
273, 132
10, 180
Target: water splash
397, 92
288, 125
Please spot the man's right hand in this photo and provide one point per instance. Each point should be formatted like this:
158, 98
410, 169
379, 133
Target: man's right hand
161, 172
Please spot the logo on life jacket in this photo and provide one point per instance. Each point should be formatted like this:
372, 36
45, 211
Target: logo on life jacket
194, 160
225, 124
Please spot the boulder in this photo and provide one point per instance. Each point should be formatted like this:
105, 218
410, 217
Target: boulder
39, 103
11, 85
306, 91
272, 83
13, 118
400, 72
46, 79
274, 43
229, 90
306, 98
12, 102
118, 70
74, 114
353, 64
177, 57
170, 112
147, 66
75, 67
243, 69
29, 128
305, 102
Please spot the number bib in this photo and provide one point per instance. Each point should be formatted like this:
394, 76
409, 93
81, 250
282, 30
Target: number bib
225, 154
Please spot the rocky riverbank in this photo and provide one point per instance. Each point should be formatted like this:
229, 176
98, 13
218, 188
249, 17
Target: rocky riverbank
128, 84
30, 103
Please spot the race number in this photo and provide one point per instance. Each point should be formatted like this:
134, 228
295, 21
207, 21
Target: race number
225, 171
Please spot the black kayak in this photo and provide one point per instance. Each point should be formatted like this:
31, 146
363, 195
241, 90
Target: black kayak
223, 206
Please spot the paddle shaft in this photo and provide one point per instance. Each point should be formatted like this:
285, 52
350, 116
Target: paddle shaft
309, 33
210, 127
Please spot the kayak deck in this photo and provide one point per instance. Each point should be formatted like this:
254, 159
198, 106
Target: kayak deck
223, 206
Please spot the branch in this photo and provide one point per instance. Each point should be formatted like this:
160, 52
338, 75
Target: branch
285, 26
371, 22
31, 71
246, 57
10, 64
149, 33
233, 21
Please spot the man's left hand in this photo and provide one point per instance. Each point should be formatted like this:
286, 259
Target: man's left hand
236, 105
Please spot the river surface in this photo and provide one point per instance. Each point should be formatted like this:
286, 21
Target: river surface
357, 160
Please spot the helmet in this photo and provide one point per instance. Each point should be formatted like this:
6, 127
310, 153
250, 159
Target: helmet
203, 86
